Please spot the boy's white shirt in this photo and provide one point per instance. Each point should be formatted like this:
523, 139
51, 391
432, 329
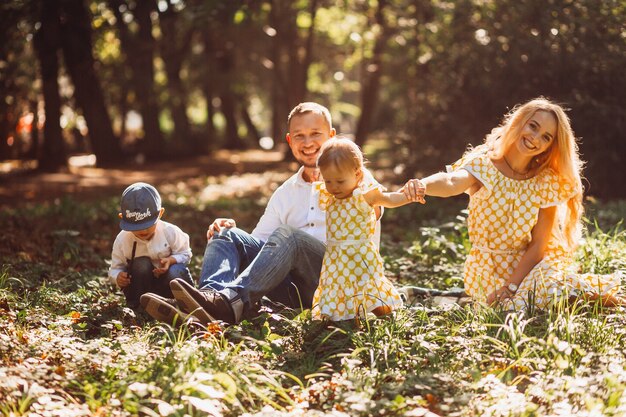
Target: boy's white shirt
168, 240
296, 203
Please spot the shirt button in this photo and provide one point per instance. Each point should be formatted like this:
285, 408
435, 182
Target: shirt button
312, 208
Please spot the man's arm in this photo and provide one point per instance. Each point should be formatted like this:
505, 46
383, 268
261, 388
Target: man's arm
269, 221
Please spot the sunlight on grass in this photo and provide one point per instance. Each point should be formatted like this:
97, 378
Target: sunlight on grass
67, 341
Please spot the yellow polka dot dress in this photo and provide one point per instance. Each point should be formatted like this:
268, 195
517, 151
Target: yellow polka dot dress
352, 281
502, 214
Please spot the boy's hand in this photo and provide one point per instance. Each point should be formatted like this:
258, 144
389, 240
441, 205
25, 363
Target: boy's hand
123, 279
218, 225
165, 265
414, 190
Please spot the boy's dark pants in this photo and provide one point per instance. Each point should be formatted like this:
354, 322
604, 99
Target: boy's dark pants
142, 280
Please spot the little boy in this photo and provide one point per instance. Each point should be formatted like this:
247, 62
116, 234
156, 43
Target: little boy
148, 253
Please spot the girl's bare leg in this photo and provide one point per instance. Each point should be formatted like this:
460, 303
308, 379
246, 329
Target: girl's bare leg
382, 310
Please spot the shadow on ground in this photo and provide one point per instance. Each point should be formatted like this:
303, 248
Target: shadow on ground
88, 182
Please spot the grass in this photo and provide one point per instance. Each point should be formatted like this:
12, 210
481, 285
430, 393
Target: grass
68, 345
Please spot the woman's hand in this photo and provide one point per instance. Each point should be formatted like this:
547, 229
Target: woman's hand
218, 225
414, 190
499, 295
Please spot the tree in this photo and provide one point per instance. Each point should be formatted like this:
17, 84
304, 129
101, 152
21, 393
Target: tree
373, 69
291, 55
18, 89
477, 60
139, 46
47, 44
175, 42
75, 31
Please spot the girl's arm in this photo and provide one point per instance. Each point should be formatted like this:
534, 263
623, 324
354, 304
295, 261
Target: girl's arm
540, 236
442, 184
377, 198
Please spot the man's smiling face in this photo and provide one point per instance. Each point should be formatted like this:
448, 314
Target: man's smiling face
307, 134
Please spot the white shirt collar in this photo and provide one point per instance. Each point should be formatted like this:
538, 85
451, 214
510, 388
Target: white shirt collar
298, 179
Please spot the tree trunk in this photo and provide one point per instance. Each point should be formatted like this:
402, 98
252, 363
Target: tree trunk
281, 12
371, 80
47, 43
77, 51
139, 53
6, 81
123, 109
208, 89
302, 64
5, 115
253, 132
33, 151
5, 149
226, 67
231, 138
292, 55
174, 48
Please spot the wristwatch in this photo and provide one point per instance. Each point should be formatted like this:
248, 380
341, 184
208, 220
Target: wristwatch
512, 287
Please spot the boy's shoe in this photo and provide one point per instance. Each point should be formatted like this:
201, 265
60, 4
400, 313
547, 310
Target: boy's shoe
164, 309
206, 304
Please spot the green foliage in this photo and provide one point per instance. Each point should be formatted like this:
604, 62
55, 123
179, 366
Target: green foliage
466, 63
448, 72
435, 257
599, 254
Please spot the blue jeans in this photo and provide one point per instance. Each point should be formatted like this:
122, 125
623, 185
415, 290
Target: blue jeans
143, 280
286, 268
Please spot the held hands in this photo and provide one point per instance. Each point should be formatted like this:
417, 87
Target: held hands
414, 190
218, 225
165, 265
123, 279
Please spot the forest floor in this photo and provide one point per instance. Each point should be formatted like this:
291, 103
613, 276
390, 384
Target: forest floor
70, 346
19, 183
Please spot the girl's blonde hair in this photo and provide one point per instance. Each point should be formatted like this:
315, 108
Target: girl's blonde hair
562, 157
341, 153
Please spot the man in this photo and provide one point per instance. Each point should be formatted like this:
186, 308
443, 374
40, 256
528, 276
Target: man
281, 258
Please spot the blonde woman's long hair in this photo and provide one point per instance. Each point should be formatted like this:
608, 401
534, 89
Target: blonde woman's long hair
562, 157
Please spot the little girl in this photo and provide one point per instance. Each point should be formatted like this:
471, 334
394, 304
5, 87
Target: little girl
525, 211
352, 281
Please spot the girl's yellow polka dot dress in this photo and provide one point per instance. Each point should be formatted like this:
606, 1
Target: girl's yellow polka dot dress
352, 281
502, 214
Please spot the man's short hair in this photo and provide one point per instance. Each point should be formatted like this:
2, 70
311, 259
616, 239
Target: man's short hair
310, 107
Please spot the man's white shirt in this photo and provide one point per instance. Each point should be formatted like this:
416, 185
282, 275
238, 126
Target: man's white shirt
296, 203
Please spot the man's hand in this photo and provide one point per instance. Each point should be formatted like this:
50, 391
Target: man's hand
218, 225
414, 190
165, 265
123, 279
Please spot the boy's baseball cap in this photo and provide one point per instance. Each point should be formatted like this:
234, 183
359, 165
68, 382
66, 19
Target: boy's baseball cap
141, 205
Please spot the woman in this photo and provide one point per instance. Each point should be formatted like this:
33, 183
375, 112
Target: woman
525, 211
